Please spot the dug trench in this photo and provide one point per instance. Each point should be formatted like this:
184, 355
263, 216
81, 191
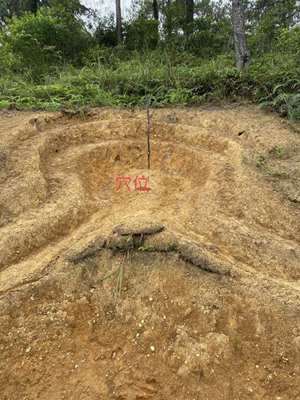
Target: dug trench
189, 290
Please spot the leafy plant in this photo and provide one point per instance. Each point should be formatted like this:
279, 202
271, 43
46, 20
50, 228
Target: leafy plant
44, 40
260, 161
277, 151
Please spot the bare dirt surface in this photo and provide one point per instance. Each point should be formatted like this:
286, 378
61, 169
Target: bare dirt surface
188, 291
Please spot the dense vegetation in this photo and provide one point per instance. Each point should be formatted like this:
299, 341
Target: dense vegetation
58, 53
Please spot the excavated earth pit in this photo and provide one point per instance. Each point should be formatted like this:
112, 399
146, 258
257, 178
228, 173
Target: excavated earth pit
188, 290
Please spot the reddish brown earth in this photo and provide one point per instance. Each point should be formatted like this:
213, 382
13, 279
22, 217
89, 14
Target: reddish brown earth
188, 291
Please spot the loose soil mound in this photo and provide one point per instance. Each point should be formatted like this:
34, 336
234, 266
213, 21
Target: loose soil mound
189, 290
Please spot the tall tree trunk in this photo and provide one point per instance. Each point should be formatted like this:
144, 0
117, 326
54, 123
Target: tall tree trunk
242, 54
155, 10
33, 6
189, 16
168, 18
156, 18
119, 21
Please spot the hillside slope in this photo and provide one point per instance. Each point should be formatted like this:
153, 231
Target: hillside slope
121, 283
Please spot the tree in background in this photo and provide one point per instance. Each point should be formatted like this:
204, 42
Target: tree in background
119, 21
266, 18
189, 10
242, 54
17, 7
105, 33
141, 30
33, 6
11, 8
155, 10
45, 38
167, 12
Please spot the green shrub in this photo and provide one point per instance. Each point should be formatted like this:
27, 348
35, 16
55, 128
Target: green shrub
43, 40
32, 40
288, 41
272, 81
141, 34
105, 33
7, 59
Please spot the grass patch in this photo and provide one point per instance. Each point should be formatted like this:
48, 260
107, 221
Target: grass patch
273, 82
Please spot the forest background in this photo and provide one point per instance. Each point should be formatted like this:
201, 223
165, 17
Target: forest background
58, 54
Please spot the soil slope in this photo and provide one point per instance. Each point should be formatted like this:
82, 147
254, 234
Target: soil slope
119, 282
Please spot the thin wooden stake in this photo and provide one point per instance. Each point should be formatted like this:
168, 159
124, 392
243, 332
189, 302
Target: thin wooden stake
148, 136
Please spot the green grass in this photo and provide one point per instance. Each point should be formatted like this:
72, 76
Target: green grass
272, 81
277, 152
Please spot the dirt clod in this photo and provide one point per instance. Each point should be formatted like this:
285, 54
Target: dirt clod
138, 229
